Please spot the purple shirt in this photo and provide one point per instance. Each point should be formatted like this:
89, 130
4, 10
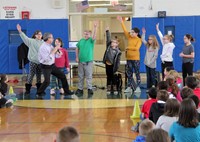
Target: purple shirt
45, 57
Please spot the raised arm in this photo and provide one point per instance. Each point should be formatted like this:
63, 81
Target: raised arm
119, 18
25, 39
143, 36
94, 31
108, 37
159, 33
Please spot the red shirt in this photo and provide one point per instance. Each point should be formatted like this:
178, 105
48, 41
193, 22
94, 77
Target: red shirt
146, 107
62, 61
197, 92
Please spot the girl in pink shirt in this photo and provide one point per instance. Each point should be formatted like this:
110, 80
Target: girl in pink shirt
62, 62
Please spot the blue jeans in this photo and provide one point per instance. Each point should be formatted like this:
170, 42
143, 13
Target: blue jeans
151, 75
133, 65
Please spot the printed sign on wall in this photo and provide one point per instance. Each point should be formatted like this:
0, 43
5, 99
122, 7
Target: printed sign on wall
9, 12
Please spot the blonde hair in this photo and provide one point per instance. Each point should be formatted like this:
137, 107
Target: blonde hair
145, 127
154, 44
170, 37
174, 73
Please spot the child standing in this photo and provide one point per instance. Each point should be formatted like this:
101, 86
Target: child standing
150, 57
61, 61
111, 60
167, 51
133, 57
187, 55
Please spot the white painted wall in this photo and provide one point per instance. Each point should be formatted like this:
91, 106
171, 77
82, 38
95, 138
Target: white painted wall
142, 8
40, 9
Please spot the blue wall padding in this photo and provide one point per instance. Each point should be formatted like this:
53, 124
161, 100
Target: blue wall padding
8, 52
183, 25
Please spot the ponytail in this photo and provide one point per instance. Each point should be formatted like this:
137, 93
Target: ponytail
189, 36
136, 30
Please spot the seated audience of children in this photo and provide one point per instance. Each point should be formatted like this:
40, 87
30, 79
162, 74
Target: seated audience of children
170, 115
145, 127
157, 109
187, 128
158, 135
178, 78
147, 104
185, 92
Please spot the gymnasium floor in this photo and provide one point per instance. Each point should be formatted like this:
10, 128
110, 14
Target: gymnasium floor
98, 118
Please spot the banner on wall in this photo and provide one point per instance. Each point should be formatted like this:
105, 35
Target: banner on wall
9, 12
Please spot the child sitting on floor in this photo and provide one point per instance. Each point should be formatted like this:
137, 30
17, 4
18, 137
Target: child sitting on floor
145, 127
147, 104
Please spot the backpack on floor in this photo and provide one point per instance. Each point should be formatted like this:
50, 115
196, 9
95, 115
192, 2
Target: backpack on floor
119, 82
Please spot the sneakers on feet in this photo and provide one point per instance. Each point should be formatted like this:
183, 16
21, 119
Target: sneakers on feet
61, 91
115, 89
128, 90
52, 92
69, 93
137, 90
108, 89
90, 92
79, 92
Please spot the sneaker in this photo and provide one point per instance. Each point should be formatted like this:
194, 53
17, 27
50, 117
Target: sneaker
115, 89
108, 89
128, 90
79, 92
90, 92
61, 91
138, 90
52, 92
69, 93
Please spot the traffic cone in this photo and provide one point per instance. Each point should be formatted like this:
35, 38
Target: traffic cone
136, 111
11, 90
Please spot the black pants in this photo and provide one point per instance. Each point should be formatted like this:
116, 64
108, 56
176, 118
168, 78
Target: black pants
110, 75
164, 65
187, 69
151, 77
47, 71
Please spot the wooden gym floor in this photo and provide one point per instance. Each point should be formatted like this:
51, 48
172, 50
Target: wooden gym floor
102, 118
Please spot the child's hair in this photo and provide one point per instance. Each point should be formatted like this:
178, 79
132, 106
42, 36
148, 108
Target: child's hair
189, 36
3, 78
170, 37
188, 116
145, 127
158, 135
153, 92
154, 44
195, 99
136, 30
68, 134
35, 33
174, 73
191, 82
168, 69
172, 85
162, 95
162, 85
185, 92
117, 40
60, 40
171, 108
197, 76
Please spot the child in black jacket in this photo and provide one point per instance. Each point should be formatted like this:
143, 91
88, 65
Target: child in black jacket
157, 109
111, 60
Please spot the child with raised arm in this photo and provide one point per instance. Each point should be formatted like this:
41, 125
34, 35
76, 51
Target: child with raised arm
152, 48
167, 51
132, 56
111, 60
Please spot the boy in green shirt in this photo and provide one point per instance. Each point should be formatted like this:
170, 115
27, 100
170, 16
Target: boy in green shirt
84, 57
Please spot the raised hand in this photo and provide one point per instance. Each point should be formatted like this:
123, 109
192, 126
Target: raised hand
19, 28
107, 28
95, 24
143, 30
157, 26
119, 18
